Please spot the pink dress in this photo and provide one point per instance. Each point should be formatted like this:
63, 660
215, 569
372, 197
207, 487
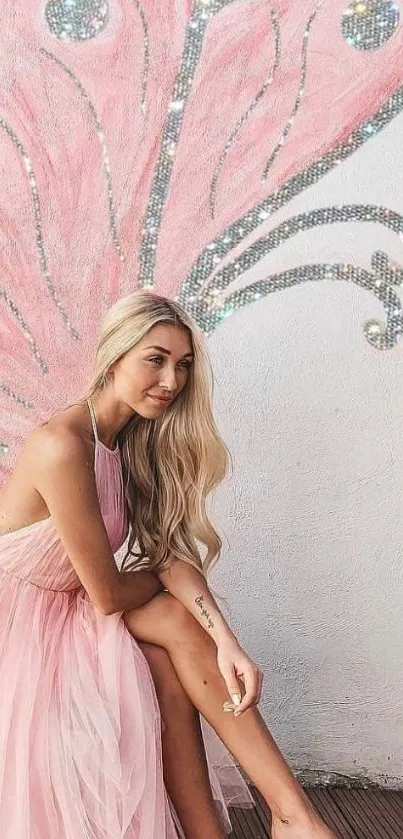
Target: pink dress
80, 727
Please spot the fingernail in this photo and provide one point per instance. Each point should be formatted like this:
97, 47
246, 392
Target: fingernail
236, 698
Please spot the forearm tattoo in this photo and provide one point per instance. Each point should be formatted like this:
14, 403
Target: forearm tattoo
204, 613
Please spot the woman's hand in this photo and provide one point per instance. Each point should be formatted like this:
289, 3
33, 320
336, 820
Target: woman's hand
235, 664
190, 588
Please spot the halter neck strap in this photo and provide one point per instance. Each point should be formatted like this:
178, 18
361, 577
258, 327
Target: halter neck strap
93, 420
99, 442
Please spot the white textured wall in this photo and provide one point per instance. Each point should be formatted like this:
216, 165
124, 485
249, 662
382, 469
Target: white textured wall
314, 512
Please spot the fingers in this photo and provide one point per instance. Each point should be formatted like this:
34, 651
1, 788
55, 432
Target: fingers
252, 679
249, 673
231, 682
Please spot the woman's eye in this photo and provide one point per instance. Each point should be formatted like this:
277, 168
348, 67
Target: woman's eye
159, 359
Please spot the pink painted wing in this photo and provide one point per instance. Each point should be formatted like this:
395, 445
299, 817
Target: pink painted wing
124, 153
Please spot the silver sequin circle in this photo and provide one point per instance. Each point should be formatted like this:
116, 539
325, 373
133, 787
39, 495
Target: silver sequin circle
368, 24
77, 20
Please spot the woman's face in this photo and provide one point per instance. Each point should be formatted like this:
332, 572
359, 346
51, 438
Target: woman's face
150, 376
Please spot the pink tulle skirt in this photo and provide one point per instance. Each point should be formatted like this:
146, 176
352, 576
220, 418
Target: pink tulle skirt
80, 727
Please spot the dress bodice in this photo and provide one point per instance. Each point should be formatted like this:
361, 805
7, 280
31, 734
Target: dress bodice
36, 554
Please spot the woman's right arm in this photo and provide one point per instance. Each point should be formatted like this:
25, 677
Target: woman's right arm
62, 470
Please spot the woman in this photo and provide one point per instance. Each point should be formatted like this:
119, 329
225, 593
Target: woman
80, 728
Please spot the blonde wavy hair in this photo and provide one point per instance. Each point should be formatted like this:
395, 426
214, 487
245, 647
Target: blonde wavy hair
170, 464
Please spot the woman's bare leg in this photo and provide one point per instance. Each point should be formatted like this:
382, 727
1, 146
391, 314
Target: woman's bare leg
164, 621
184, 759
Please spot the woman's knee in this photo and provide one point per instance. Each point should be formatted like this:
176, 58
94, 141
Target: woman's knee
162, 621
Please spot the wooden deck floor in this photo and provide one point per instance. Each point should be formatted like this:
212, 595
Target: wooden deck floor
351, 813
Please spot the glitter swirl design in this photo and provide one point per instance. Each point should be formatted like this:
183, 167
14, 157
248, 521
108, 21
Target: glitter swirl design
104, 150
77, 20
20, 400
27, 163
146, 65
233, 235
379, 335
202, 12
300, 94
231, 140
169, 141
368, 24
212, 305
344, 214
17, 314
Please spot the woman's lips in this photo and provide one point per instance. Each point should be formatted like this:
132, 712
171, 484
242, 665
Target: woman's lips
160, 400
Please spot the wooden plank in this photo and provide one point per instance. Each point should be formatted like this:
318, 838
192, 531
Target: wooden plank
365, 828
376, 811
350, 813
331, 813
385, 806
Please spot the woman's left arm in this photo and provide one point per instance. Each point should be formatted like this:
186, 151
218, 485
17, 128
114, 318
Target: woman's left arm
188, 586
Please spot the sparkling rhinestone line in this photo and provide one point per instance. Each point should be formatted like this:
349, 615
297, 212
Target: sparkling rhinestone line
104, 150
300, 93
209, 8
164, 165
231, 140
377, 334
24, 329
233, 235
390, 271
38, 223
19, 399
146, 64
202, 12
305, 221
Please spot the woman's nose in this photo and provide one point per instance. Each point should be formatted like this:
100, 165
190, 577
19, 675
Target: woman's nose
168, 379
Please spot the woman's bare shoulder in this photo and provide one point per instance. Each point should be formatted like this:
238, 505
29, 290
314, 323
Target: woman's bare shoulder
57, 453
64, 437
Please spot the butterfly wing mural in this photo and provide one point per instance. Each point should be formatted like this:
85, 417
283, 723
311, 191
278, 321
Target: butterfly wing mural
157, 145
